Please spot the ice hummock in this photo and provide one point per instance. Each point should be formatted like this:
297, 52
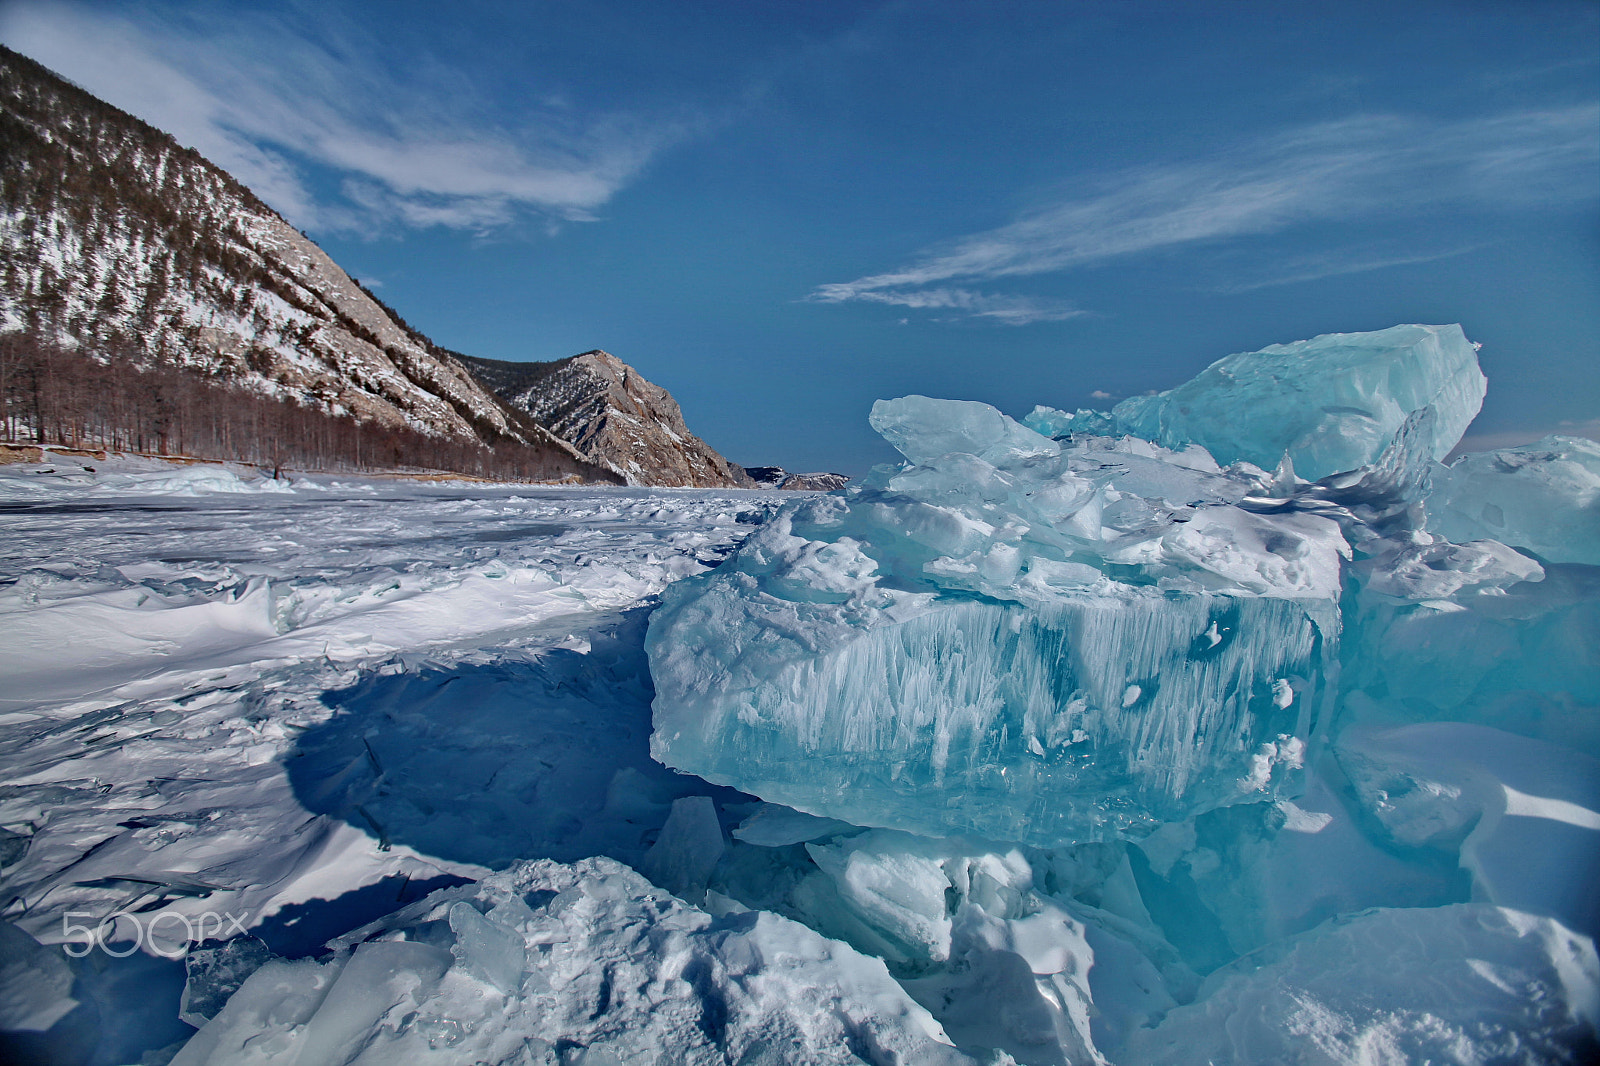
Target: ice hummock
1045, 640
1330, 404
1009, 636
1321, 732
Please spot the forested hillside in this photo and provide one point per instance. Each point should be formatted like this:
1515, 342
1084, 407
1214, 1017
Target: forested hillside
65, 397
122, 249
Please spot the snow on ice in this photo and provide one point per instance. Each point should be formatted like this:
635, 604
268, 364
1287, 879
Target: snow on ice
1230, 726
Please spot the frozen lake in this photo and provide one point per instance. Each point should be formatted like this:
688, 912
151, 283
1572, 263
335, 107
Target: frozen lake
309, 707
391, 740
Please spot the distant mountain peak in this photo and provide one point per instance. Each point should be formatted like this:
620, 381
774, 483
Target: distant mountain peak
776, 477
613, 415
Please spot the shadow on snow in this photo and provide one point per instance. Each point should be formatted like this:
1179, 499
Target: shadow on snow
541, 756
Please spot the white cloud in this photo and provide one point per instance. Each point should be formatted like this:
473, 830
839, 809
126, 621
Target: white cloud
1011, 310
1363, 166
1099, 394
263, 101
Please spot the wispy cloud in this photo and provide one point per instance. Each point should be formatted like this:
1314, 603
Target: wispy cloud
1336, 264
415, 145
1366, 166
1011, 310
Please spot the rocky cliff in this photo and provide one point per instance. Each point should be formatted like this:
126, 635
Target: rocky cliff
613, 415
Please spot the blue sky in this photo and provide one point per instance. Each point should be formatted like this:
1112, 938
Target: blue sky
783, 211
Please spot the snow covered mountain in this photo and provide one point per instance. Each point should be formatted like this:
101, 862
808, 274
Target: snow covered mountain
117, 241
614, 416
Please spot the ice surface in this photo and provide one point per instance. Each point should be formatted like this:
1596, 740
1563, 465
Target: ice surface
216, 700
1461, 983
613, 971
1543, 496
1197, 760
1331, 404
1021, 640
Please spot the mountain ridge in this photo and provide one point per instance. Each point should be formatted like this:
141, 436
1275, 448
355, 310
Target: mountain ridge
119, 243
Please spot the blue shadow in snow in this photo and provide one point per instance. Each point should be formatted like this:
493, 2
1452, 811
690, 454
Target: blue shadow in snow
541, 757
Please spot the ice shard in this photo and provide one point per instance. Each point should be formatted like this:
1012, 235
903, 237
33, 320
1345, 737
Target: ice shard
1331, 404
1543, 496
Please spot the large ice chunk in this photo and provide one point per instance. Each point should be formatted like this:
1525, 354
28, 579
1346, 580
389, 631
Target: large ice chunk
1016, 639
1522, 657
1543, 496
1331, 404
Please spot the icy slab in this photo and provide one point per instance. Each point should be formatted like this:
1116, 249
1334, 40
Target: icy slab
1039, 726
490, 950
1462, 983
1019, 639
924, 429
775, 826
35, 983
683, 856
1331, 404
1543, 496
216, 973
612, 971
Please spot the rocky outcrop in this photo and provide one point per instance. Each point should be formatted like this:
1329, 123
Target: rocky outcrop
613, 415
